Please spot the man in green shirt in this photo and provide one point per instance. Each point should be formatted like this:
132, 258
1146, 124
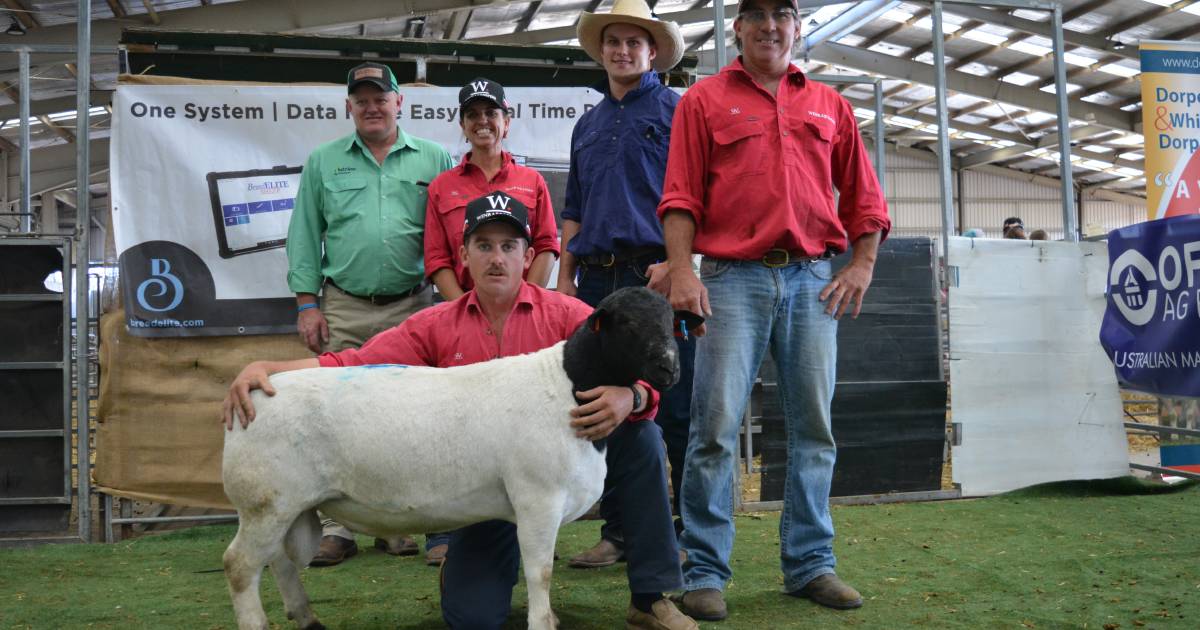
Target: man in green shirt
356, 238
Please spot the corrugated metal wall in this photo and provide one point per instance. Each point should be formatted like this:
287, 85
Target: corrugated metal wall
912, 192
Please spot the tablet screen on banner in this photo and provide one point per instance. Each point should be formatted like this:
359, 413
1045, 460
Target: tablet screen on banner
252, 209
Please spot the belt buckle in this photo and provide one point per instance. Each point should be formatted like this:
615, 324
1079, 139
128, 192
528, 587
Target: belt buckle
612, 259
776, 258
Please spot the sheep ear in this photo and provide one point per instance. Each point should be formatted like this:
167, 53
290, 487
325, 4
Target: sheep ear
594, 320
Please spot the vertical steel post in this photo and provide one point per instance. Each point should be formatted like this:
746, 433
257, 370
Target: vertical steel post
26, 221
943, 131
83, 223
719, 34
880, 146
1070, 224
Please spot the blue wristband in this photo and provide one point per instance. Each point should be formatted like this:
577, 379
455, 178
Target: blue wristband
305, 307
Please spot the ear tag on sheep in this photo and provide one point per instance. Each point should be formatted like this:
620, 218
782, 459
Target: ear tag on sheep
596, 324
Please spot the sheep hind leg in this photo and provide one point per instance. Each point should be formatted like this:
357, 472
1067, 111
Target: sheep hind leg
259, 539
299, 546
537, 531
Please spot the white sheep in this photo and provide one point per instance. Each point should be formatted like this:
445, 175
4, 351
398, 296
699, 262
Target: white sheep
392, 450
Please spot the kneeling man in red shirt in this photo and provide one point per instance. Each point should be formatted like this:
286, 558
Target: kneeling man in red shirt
502, 316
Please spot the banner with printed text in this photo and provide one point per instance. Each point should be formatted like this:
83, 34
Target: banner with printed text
1151, 328
1171, 127
204, 178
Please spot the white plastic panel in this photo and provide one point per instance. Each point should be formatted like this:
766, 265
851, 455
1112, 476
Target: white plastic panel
1035, 395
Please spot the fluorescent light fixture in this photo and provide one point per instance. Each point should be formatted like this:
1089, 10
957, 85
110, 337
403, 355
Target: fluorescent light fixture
897, 15
1120, 70
1020, 78
1076, 59
1030, 49
947, 26
904, 122
988, 38
1132, 156
1095, 148
1130, 140
1049, 89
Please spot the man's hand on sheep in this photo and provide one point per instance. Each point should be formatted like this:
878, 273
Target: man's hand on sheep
255, 376
607, 407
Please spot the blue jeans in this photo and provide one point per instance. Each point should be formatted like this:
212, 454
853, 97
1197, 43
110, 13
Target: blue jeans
756, 308
675, 406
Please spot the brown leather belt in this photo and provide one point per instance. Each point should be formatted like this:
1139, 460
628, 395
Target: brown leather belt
783, 258
613, 258
382, 300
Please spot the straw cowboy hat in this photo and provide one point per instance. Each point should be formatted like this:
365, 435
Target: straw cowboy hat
665, 34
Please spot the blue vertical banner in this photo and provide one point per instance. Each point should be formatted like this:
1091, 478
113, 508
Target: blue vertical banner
1151, 327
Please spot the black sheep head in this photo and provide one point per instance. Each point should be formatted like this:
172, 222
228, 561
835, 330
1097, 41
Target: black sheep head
628, 337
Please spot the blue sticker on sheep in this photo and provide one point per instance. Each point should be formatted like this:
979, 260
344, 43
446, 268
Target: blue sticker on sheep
402, 450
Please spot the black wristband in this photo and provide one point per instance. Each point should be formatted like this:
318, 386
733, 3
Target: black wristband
637, 399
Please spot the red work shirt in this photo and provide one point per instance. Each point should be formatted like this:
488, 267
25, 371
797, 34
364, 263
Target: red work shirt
445, 211
757, 172
458, 333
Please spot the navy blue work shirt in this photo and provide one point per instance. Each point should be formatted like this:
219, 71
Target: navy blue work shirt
618, 162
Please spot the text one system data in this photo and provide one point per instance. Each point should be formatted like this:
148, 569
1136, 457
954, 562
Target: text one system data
200, 112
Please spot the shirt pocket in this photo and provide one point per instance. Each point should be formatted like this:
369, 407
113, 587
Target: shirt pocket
654, 140
816, 143
740, 149
587, 152
451, 213
344, 197
406, 202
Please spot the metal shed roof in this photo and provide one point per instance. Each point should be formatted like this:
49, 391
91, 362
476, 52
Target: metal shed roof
999, 62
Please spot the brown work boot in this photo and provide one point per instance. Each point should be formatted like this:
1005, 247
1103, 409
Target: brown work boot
397, 546
436, 555
663, 616
829, 590
604, 554
705, 604
333, 550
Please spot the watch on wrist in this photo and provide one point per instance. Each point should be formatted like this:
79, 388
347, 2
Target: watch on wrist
637, 399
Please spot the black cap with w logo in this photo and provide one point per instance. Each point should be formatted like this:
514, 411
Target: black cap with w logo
497, 206
485, 89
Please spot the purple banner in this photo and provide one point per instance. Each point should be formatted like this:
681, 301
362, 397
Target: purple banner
1151, 328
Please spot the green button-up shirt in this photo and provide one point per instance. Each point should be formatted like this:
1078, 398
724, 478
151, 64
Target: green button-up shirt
372, 217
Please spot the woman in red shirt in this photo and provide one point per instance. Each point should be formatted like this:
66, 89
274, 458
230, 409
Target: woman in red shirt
484, 117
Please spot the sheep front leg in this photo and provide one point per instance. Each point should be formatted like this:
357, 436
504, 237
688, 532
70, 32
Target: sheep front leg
537, 531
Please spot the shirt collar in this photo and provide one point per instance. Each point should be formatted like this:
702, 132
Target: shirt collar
649, 80
402, 141
524, 296
794, 72
506, 159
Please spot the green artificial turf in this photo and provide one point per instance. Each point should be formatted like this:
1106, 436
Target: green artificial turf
1111, 554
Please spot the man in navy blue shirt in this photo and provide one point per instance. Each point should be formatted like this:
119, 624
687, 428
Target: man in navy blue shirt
611, 237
